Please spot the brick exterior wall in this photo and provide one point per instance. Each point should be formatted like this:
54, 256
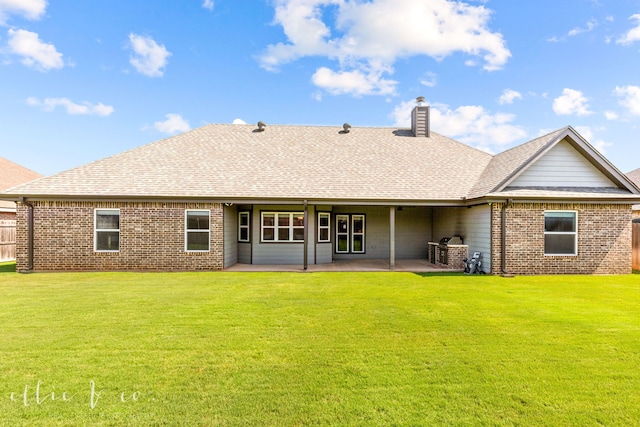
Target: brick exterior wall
455, 254
152, 237
7, 216
604, 239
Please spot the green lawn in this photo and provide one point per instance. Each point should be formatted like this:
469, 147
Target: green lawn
318, 349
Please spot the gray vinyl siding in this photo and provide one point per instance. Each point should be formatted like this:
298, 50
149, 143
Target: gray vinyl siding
562, 166
230, 236
244, 253
324, 253
477, 233
413, 232
280, 253
447, 222
472, 224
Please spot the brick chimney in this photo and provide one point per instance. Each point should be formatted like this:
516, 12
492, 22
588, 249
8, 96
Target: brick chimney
420, 119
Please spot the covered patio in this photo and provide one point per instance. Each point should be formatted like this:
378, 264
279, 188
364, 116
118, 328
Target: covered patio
363, 265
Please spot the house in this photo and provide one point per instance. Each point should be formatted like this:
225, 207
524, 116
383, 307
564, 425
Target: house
634, 176
11, 174
272, 194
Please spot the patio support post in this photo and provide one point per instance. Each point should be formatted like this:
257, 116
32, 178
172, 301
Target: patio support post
305, 251
392, 237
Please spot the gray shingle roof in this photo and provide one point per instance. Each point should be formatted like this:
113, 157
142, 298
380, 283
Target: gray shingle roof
283, 162
562, 193
634, 176
315, 163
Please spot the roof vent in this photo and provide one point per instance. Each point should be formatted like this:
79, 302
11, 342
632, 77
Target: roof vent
346, 128
261, 126
420, 119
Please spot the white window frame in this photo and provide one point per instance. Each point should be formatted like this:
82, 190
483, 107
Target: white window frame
246, 227
187, 230
276, 227
574, 233
354, 234
350, 234
97, 230
347, 233
327, 227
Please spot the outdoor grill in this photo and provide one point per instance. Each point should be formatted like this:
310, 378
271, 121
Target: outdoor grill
443, 247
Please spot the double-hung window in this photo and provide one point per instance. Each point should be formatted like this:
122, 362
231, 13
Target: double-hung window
243, 226
107, 230
324, 227
282, 226
561, 233
197, 230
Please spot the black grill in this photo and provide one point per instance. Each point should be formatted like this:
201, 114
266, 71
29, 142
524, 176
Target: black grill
443, 248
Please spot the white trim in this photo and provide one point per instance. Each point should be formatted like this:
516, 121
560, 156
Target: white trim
194, 230
324, 227
351, 236
109, 230
244, 227
347, 233
563, 233
354, 234
276, 227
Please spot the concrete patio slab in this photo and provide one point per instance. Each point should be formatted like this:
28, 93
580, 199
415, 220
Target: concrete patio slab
381, 265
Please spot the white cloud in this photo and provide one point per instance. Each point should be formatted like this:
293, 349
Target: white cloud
354, 82
630, 98
633, 34
239, 122
571, 102
30, 9
471, 124
508, 96
208, 4
149, 57
429, 79
372, 35
611, 115
34, 52
589, 27
85, 108
174, 124
588, 134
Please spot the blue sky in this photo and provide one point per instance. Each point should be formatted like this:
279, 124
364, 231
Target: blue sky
83, 80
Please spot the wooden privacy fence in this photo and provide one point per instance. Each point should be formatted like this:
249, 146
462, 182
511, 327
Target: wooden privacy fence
636, 244
8, 240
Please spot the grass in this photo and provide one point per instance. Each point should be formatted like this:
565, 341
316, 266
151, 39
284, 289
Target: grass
318, 349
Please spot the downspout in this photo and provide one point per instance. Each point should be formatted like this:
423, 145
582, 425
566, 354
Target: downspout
503, 243
29, 234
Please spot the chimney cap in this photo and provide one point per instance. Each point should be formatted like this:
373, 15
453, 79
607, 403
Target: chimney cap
420, 100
